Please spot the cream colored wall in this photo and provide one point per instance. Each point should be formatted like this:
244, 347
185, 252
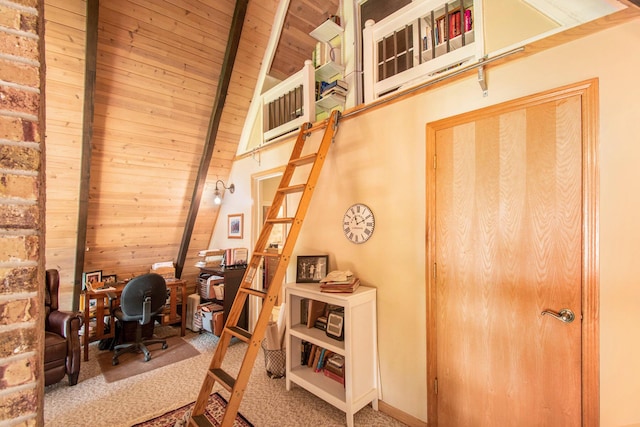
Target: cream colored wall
379, 159
510, 22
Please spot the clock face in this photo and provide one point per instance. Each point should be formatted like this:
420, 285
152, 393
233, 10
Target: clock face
358, 223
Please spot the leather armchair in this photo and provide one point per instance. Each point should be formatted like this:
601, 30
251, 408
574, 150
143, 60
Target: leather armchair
62, 336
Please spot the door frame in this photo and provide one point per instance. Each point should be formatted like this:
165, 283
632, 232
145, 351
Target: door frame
588, 91
257, 181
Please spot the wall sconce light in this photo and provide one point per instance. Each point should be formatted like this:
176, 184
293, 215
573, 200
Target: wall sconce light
216, 194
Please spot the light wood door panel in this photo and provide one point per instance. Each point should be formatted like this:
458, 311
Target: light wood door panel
507, 244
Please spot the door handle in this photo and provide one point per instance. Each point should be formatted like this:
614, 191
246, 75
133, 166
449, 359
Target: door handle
565, 315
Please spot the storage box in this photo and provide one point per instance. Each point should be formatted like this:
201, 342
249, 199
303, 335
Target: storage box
207, 287
204, 315
213, 321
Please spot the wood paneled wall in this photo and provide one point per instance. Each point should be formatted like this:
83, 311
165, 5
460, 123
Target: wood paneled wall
158, 64
64, 56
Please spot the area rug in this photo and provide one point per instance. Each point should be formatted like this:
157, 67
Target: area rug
214, 413
133, 363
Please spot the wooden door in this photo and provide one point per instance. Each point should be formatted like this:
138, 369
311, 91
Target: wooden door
509, 208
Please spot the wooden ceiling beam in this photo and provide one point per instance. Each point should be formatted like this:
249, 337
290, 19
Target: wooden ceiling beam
218, 105
91, 57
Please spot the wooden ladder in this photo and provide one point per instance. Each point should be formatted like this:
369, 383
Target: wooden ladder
236, 386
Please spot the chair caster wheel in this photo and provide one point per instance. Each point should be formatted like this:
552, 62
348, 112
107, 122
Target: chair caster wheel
164, 346
114, 362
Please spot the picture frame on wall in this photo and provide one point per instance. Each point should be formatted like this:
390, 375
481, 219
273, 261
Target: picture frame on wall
311, 268
235, 225
92, 277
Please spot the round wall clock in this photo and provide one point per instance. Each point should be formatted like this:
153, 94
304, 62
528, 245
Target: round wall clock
358, 223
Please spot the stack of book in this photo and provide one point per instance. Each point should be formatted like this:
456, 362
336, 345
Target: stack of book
211, 258
322, 360
336, 89
339, 281
334, 368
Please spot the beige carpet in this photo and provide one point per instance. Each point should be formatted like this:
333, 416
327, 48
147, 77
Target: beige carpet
96, 403
131, 364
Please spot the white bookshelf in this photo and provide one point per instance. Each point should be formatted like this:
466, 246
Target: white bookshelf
359, 347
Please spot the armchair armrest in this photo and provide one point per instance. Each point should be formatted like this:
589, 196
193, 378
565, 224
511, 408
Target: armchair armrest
64, 323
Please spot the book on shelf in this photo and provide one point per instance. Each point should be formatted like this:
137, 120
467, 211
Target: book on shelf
317, 361
315, 310
468, 20
211, 258
313, 358
321, 54
211, 252
339, 287
305, 350
304, 310
454, 24
335, 84
333, 376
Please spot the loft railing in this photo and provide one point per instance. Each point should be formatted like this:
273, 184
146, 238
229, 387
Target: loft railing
418, 42
288, 105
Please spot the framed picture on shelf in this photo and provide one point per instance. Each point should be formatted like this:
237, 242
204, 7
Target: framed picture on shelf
109, 280
235, 224
311, 268
89, 278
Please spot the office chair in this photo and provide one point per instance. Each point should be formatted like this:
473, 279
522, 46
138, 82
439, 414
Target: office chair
142, 298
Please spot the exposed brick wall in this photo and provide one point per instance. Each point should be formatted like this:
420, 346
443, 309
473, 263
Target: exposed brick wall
21, 212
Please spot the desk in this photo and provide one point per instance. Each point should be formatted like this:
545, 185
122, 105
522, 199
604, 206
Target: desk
106, 302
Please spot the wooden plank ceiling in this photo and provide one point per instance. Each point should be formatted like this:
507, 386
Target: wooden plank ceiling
158, 65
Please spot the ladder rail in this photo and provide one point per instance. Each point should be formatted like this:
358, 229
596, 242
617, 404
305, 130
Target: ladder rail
215, 373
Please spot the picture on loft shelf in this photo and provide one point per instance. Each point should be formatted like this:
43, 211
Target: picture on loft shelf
89, 278
311, 268
235, 224
109, 280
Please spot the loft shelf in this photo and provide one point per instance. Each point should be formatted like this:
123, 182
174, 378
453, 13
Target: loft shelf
327, 31
328, 70
329, 102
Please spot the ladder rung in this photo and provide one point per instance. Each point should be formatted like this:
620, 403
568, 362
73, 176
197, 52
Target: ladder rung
226, 380
241, 334
254, 292
298, 188
304, 160
280, 221
267, 254
200, 421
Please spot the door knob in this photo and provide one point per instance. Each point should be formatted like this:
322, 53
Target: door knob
565, 315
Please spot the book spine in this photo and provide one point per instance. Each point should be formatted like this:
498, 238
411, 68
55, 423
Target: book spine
318, 366
468, 20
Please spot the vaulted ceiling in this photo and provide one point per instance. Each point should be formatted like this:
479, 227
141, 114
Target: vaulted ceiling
158, 65
296, 45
